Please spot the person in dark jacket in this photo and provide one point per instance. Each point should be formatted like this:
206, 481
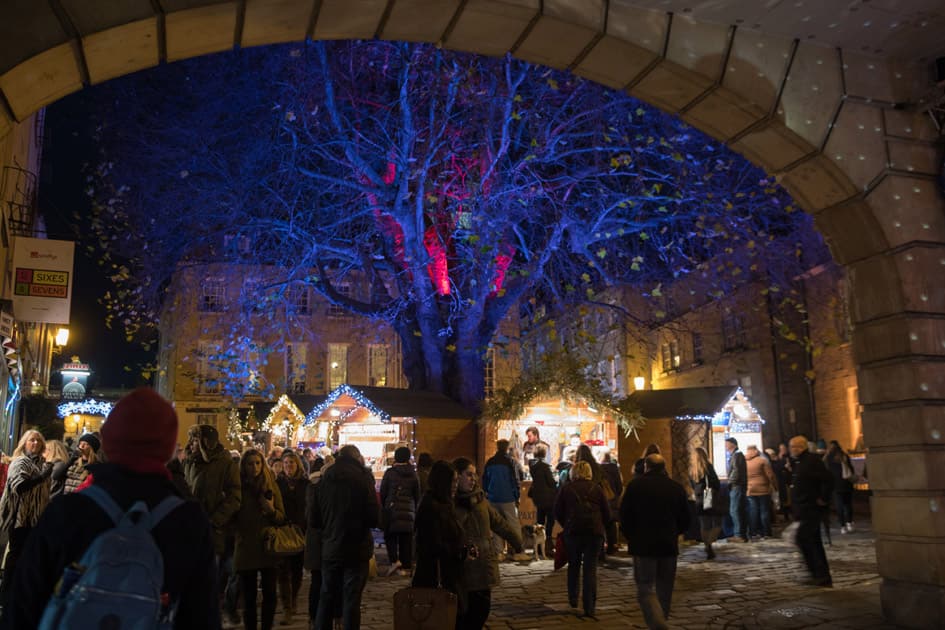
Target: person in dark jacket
260, 507
313, 541
702, 477
583, 510
653, 512
345, 510
214, 479
838, 463
138, 438
542, 493
293, 485
611, 470
441, 547
810, 492
737, 490
500, 482
400, 494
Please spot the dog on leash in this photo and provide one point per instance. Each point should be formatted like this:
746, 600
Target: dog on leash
533, 537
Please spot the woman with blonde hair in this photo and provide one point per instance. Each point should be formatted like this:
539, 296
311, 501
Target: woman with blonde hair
583, 510
25, 496
261, 507
702, 478
58, 455
293, 484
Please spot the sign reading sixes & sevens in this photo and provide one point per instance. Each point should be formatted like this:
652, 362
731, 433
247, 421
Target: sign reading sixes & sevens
42, 280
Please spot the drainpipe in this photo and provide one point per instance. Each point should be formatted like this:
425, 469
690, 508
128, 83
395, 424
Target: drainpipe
777, 368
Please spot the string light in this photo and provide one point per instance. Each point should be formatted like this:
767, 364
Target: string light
90, 407
345, 390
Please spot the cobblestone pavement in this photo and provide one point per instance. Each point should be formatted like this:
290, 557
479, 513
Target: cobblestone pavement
755, 585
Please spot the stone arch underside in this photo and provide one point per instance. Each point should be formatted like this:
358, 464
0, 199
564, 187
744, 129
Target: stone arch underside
827, 122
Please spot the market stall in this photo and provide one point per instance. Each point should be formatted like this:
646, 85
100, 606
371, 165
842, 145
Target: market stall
681, 419
380, 419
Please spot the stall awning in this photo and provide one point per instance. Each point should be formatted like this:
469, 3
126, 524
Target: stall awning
683, 402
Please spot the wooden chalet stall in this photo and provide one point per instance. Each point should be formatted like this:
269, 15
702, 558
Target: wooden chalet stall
564, 422
679, 420
280, 423
379, 419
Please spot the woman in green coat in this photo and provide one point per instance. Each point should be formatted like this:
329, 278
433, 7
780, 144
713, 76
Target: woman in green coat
479, 521
261, 507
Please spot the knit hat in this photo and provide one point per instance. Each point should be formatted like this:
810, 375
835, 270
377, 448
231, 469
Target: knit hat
141, 432
92, 441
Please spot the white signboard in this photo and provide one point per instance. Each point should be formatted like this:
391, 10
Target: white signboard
42, 280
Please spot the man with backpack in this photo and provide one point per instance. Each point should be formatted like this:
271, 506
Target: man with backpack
161, 547
653, 512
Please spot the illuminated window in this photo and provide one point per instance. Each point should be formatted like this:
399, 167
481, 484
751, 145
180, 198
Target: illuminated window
296, 357
212, 295
377, 364
337, 365
209, 378
669, 356
340, 311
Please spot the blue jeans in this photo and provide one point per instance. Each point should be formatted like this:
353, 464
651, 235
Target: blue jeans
347, 582
583, 548
655, 577
759, 515
737, 509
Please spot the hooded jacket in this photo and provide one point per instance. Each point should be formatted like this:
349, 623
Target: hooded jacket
214, 479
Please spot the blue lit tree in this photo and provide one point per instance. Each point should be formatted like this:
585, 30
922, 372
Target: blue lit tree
459, 188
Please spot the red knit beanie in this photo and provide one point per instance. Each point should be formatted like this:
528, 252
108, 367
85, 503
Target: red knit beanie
141, 432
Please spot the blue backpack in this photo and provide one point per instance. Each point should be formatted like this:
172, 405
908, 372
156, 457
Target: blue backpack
117, 582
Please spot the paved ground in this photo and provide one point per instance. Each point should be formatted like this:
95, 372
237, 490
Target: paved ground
756, 585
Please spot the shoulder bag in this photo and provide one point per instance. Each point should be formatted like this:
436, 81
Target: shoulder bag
424, 608
283, 540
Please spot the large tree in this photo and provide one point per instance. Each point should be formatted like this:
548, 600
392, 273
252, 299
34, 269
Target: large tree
457, 187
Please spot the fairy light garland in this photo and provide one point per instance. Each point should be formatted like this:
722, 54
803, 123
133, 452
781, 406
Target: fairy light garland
346, 390
90, 407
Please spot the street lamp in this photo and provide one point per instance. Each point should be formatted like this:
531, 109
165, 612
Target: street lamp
639, 382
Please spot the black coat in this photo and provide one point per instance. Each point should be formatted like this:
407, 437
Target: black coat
345, 510
71, 523
653, 512
811, 486
400, 494
294, 496
544, 486
738, 470
441, 545
711, 480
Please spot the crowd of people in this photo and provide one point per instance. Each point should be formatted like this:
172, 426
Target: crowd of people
443, 524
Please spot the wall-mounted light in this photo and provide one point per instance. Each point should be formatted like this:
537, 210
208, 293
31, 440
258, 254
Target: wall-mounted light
62, 337
639, 382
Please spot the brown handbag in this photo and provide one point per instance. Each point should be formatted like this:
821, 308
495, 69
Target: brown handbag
418, 608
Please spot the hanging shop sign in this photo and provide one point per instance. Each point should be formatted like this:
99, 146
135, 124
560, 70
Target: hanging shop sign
42, 274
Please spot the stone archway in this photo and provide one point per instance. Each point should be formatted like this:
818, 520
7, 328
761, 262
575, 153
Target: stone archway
826, 121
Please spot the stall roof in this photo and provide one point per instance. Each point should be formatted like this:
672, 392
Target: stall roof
305, 402
683, 401
397, 403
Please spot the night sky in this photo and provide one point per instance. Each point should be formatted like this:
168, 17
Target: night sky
67, 149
